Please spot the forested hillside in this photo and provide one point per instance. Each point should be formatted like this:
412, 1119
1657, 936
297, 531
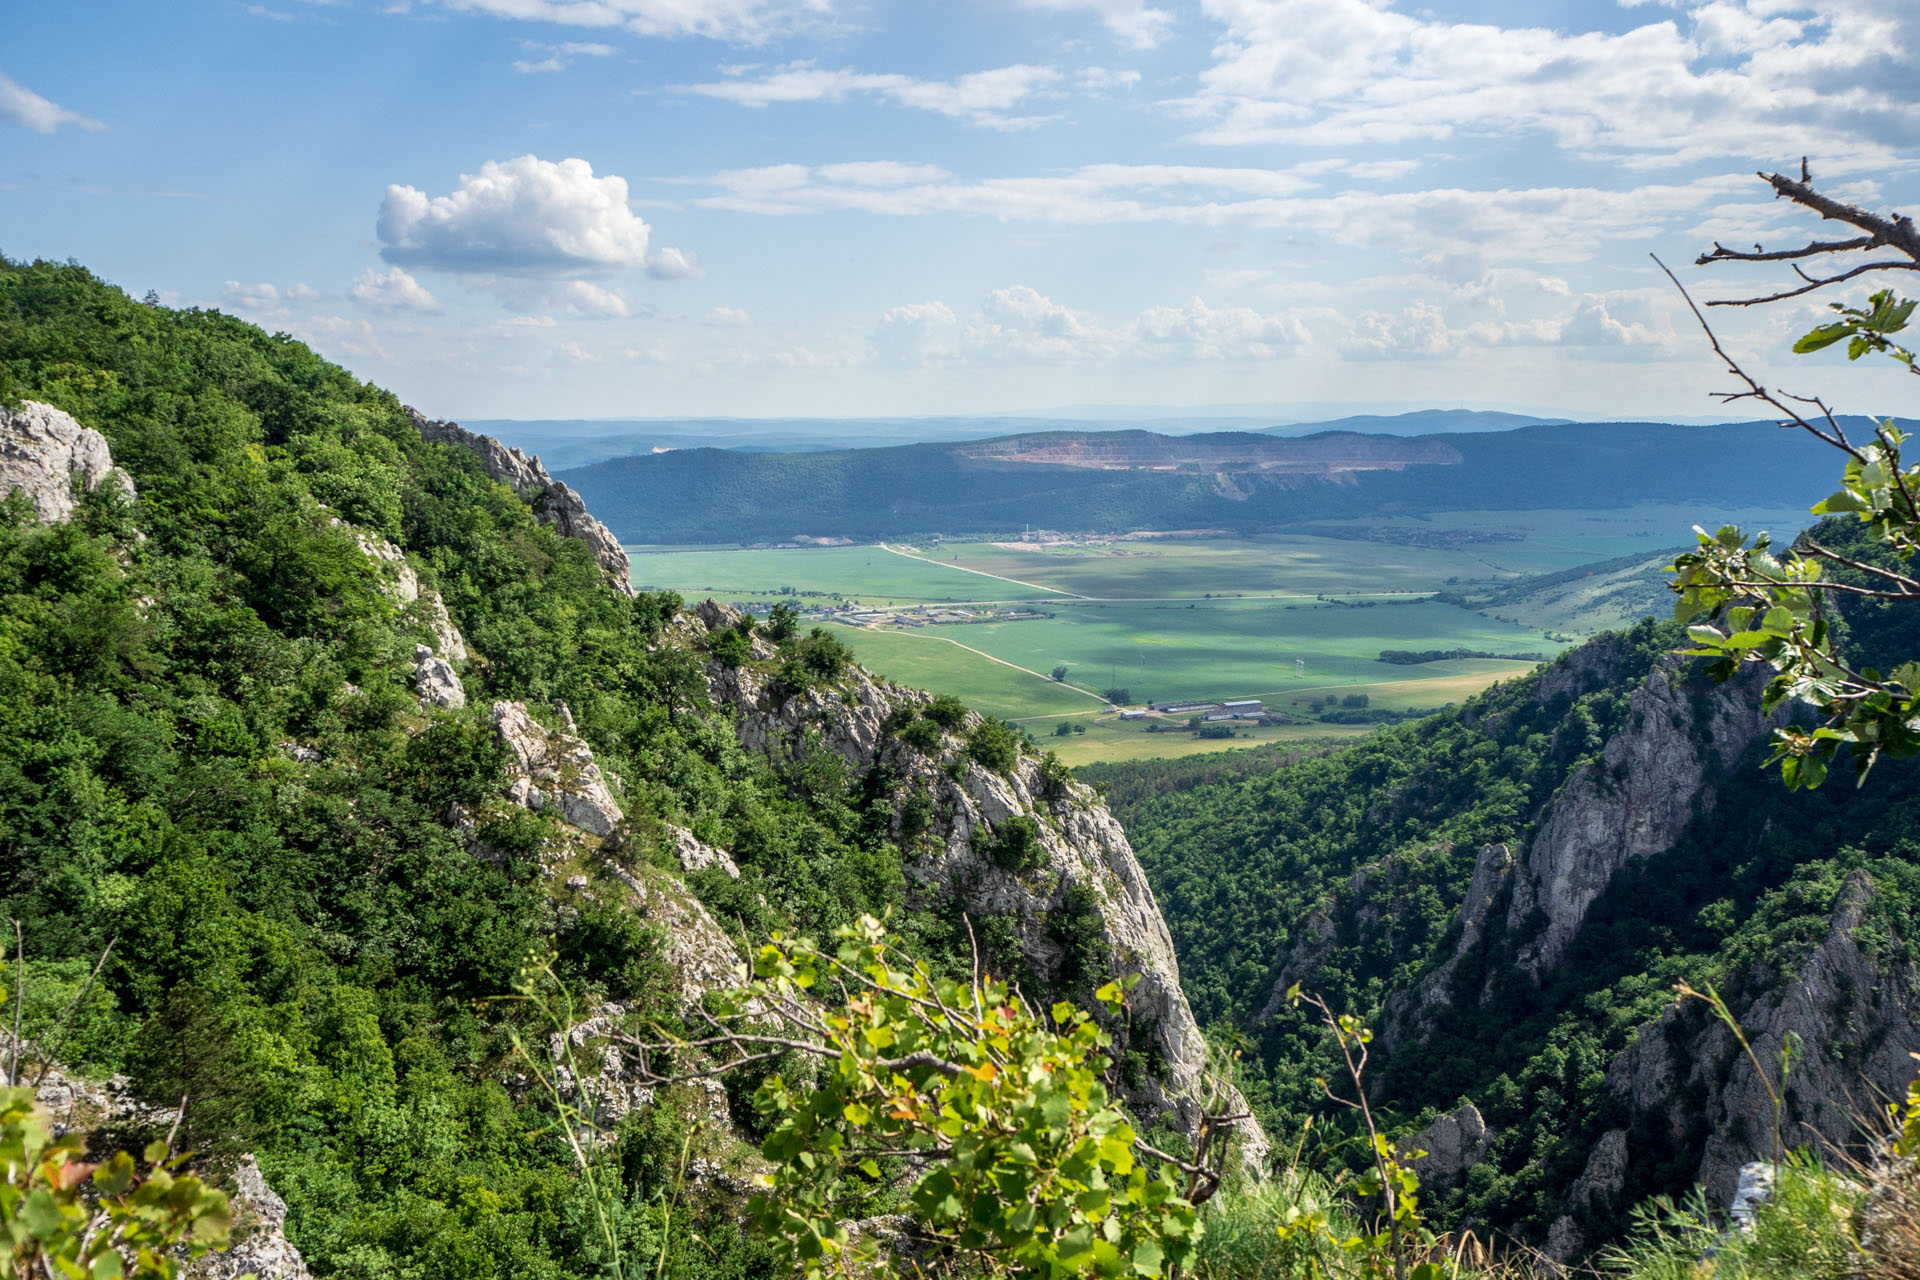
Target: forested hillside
1393, 876
945, 488
323, 736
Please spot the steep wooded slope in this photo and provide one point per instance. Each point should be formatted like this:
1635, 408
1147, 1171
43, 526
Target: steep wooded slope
332, 718
1509, 892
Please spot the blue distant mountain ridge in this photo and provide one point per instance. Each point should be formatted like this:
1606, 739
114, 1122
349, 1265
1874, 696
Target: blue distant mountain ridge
1240, 481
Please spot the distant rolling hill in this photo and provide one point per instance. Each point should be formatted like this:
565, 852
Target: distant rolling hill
1243, 481
1420, 422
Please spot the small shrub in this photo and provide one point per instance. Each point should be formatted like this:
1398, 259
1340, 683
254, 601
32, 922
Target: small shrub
818, 659
783, 623
1016, 845
916, 815
923, 736
730, 648
995, 744
1056, 779
946, 711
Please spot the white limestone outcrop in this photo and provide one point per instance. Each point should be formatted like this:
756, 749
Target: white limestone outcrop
554, 770
434, 678
47, 456
1653, 778
1453, 1143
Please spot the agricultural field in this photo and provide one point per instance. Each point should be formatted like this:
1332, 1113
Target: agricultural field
813, 575
1553, 539
1406, 553
1170, 651
1288, 619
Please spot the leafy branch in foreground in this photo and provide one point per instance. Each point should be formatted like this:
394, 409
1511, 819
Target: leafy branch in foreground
62, 1215
1748, 604
1382, 1252
992, 1117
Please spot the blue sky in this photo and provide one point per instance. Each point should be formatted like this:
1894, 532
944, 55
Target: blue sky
587, 208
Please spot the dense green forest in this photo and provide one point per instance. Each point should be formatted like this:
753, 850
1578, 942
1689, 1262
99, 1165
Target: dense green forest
212, 758
1378, 840
934, 488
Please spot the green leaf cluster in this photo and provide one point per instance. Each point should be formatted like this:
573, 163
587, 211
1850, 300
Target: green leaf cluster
63, 1216
1030, 1168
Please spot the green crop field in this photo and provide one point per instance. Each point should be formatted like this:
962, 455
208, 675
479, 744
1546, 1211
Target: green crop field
1169, 620
1397, 554
1232, 648
1162, 568
866, 575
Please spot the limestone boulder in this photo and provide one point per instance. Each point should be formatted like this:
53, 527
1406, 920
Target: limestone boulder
434, 678
50, 458
554, 769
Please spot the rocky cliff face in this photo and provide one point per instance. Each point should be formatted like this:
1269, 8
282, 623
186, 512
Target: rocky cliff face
1084, 849
1856, 1015
553, 502
1654, 777
49, 458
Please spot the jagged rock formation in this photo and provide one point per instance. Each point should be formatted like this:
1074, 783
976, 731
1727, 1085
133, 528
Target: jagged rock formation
1084, 849
553, 502
1651, 781
45, 455
1856, 1015
1655, 776
1454, 1143
1594, 1194
436, 681
554, 769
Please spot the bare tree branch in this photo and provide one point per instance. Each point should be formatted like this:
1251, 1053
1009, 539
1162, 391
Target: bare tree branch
1814, 283
1896, 232
1723, 254
1754, 389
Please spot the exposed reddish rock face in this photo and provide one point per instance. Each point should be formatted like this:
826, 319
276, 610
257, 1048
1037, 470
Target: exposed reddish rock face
1321, 455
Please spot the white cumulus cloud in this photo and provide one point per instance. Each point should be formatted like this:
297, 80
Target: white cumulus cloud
1199, 332
392, 290
529, 219
22, 106
727, 318
521, 215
